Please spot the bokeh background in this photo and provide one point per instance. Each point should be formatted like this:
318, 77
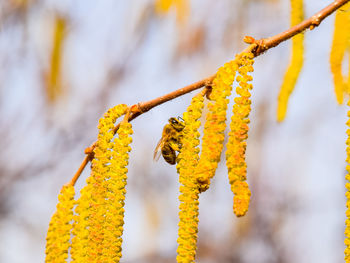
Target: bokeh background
64, 63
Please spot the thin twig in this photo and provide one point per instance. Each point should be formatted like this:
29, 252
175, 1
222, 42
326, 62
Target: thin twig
81, 169
257, 47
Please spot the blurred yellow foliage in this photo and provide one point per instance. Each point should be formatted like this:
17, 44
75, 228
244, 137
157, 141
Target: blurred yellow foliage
347, 186
341, 43
293, 71
181, 6
53, 77
20, 3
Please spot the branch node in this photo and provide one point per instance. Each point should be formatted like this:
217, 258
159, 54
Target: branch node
208, 83
89, 151
261, 47
136, 108
315, 21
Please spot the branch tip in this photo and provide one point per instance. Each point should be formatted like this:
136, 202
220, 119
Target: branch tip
89, 150
249, 40
260, 47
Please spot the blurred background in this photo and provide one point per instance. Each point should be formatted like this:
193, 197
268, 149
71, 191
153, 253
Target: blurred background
64, 63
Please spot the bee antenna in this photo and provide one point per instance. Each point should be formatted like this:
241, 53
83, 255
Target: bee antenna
180, 118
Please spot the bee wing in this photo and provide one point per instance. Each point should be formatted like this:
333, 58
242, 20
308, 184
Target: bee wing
157, 150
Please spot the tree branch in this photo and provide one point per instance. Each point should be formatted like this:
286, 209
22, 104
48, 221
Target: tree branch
257, 47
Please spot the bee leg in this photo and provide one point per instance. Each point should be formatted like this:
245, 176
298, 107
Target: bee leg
174, 145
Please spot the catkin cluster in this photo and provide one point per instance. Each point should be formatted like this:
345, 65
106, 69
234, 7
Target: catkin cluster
296, 63
98, 217
340, 44
196, 171
236, 145
99, 213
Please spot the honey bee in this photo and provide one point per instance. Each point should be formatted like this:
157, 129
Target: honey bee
170, 141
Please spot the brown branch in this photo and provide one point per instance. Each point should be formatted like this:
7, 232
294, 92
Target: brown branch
81, 169
257, 47
311, 23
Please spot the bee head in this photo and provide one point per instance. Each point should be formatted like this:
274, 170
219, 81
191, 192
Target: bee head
177, 124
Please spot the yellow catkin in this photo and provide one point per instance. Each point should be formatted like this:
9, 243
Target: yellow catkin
58, 234
189, 188
236, 146
215, 124
115, 199
292, 73
347, 185
340, 44
54, 85
88, 229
